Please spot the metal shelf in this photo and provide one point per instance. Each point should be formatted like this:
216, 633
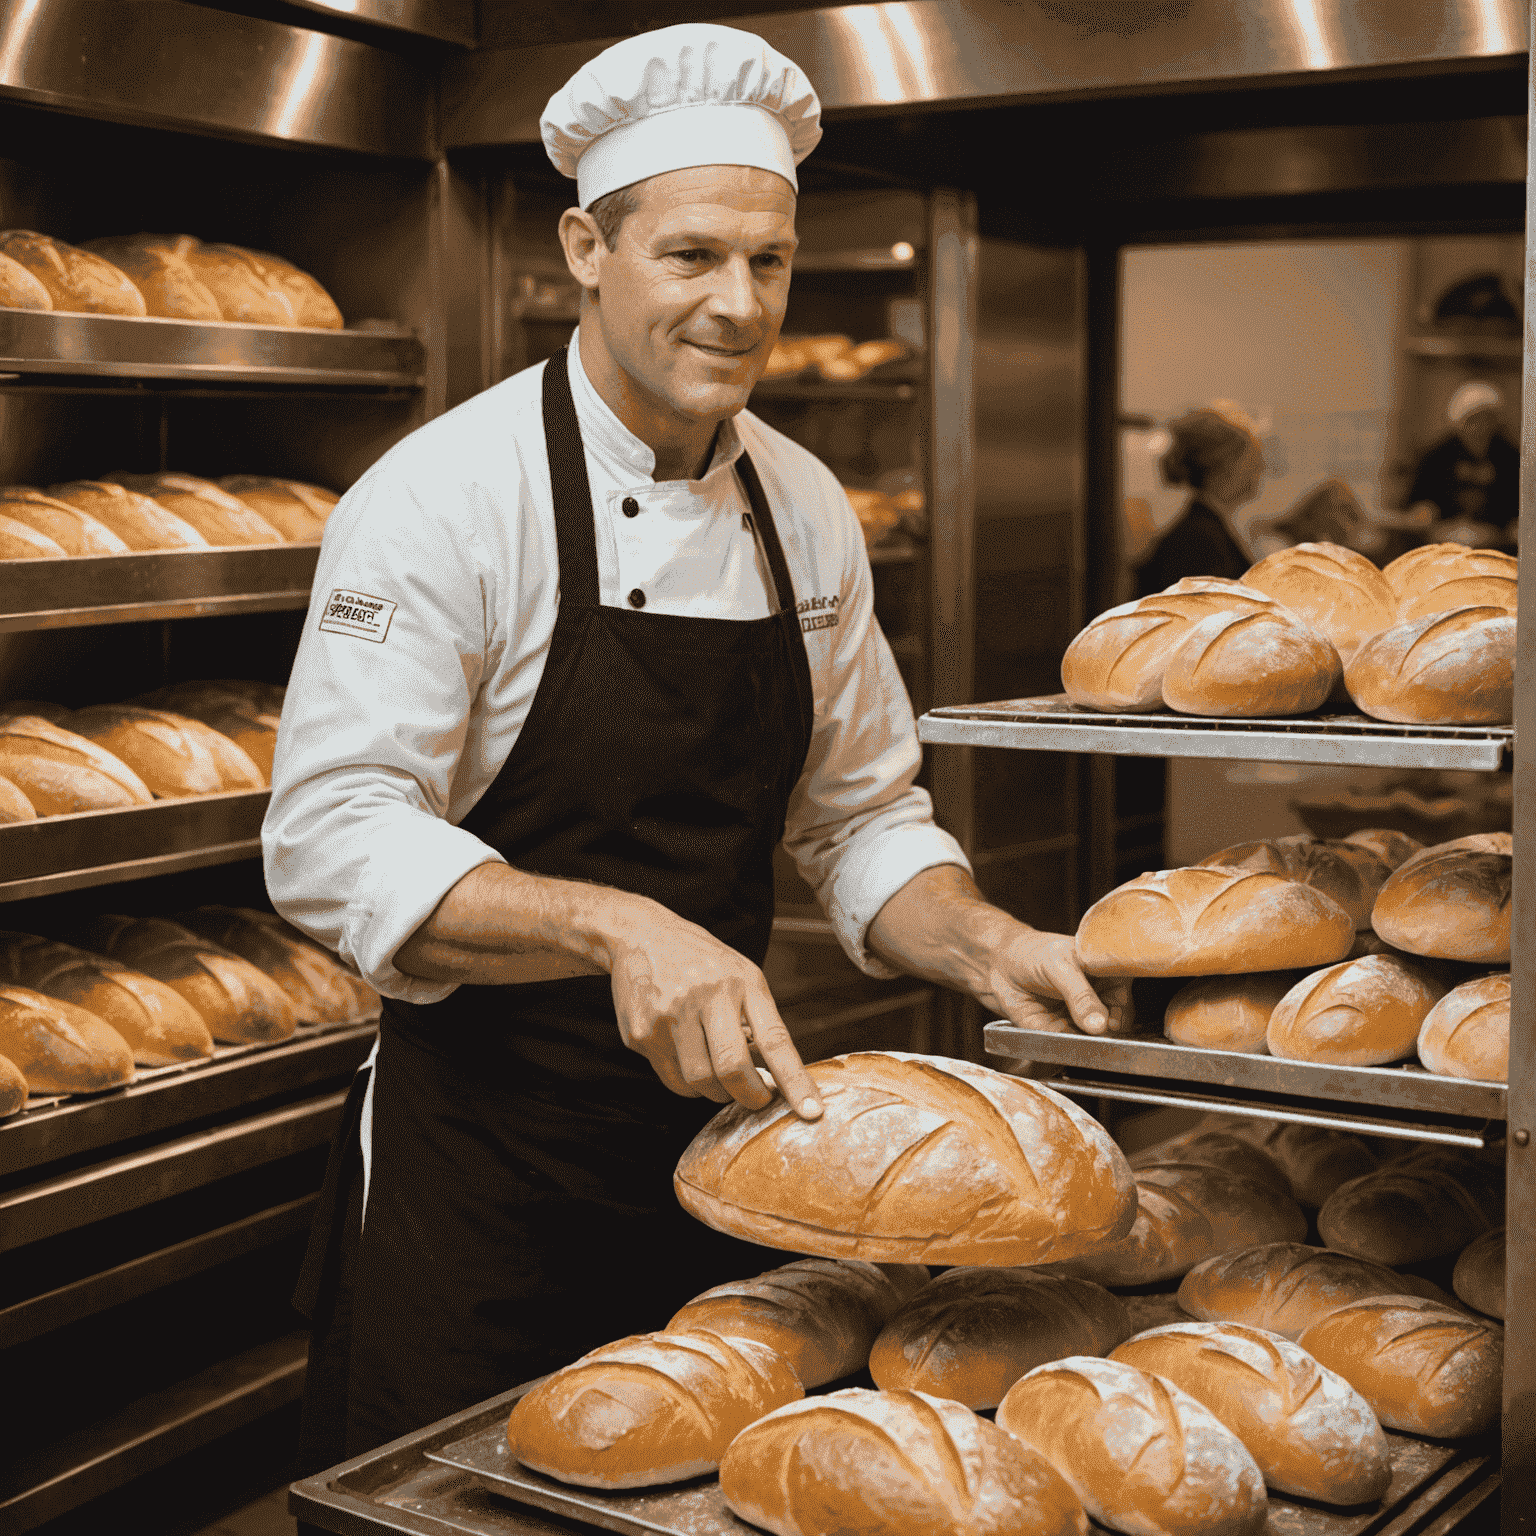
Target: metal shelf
1052, 724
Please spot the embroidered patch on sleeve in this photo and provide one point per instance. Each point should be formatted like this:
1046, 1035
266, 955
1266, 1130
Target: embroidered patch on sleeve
357, 613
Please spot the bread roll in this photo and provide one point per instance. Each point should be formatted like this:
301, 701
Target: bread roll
971, 1333
141, 523
915, 1159
58, 1047
1211, 921
1314, 1159
19, 541
822, 1315
240, 286
1423, 1368
1359, 1013
13, 1087
1413, 1210
1336, 591
158, 268
1466, 1034
1245, 665
1451, 901
14, 806
1227, 1013
1454, 668
246, 713
78, 282
1436, 578
74, 531
1312, 1435
1143, 1455
1390, 846
61, 772
1215, 1148
19, 289
238, 1003
653, 1408
1479, 1276
892, 1462
174, 755
222, 519
312, 305
1351, 875
298, 511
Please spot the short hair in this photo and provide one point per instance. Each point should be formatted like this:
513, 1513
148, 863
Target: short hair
1204, 442
612, 208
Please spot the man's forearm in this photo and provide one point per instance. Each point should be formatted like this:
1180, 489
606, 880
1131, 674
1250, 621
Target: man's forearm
940, 927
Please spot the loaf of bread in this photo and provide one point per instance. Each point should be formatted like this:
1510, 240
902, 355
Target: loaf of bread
915, 1159
1423, 1368
159, 1025
240, 286
1142, 1454
1412, 1210
1455, 668
311, 304
58, 1047
1311, 1433
298, 511
14, 806
13, 1084
1352, 875
1244, 665
653, 1408
972, 1332
1227, 1013
1479, 1276
18, 541
1466, 1034
1314, 1159
892, 1462
1451, 901
238, 1003
222, 519
75, 531
365, 1001
1359, 1013
78, 282
1436, 578
1240, 1210
1388, 845
822, 1315
1339, 593
1216, 1148
247, 713
173, 754
140, 522
159, 269
1170, 1235
19, 289
1212, 921
61, 772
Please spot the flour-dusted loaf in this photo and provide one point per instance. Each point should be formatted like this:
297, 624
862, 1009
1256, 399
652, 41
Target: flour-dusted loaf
1359, 1013
915, 1159
173, 754
1217, 1148
298, 510
1245, 665
78, 282
1435, 578
1227, 1013
75, 531
652, 1408
971, 1333
1339, 593
1314, 1159
1240, 1210
222, 519
365, 1001
1352, 875
246, 712
1451, 901
61, 772
14, 805
1212, 921
822, 1315
897, 1463
311, 304
19, 541
1455, 668
238, 1003
1424, 1368
1386, 843
58, 1047
242, 288
19, 289
1479, 1276
139, 521
1415, 1209
159, 1025
158, 267
1143, 1455
13, 1082
1466, 1034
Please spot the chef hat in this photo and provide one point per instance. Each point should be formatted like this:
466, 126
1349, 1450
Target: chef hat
693, 94
1473, 396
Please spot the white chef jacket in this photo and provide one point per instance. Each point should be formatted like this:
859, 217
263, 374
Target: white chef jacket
430, 621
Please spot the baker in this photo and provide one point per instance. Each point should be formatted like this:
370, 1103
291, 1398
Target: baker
554, 707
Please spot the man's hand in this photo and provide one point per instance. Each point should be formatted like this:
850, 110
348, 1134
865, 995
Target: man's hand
1035, 980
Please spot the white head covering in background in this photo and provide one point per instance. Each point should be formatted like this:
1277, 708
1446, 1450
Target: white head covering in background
1475, 395
693, 94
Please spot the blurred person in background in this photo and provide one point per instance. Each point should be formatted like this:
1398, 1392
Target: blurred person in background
1471, 477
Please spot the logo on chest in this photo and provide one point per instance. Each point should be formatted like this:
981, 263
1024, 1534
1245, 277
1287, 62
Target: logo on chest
817, 613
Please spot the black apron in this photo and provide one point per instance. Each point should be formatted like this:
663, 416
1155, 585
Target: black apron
520, 1206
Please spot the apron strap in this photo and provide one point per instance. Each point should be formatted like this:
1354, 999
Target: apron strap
575, 536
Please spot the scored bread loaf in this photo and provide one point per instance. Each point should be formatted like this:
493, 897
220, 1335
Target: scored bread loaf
297, 510
1418, 1208
1339, 593
19, 541
240, 286
13, 1084
1350, 874
311, 304
139, 521
365, 1001
61, 772
160, 1026
78, 282
1389, 845
1211, 921
222, 519
1455, 668
1422, 1367
158, 268
1451, 901
1239, 1210
893, 1462
1142, 1454
915, 1159
1227, 1013
1312, 1435
239, 1004
1314, 1159
247, 713
19, 289
822, 1315
1245, 665
60, 1048
1466, 1034
1217, 1148
75, 531
1479, 1275
1435, 578
972, 1332
14, 806
1359, 1013
173, 754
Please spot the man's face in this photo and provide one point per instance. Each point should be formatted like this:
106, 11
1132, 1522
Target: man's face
691, 301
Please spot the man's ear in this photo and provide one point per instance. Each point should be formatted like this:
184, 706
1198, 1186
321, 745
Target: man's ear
583, 244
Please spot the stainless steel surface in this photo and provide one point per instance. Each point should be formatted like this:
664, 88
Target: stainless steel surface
1407, 1087
120, 346
994, 52
131, 869
184, 66
1050, 723
453, 21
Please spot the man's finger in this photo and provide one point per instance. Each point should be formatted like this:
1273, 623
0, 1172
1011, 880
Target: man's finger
691, 1051
729, 1051
781, 1058
1084, 1004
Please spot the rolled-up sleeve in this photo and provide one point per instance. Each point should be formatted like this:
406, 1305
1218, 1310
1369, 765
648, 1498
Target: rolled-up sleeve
858, 827
357, 847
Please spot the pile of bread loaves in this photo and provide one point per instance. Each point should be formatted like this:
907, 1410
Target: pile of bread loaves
1428, 641
1274, 1366
121, 513
174, 277
836, 359
193, 738
150, 992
